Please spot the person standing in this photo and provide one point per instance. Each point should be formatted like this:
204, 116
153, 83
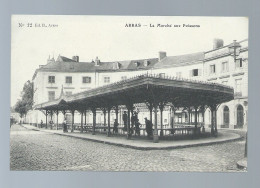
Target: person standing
115, 128
41, 123
125, 121
149, 127
51, 123
65, 126
137, 127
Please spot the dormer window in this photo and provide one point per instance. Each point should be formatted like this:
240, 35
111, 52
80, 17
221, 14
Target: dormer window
137, 64
146, 63
116, 65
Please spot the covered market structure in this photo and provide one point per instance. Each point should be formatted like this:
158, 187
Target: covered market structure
153, 90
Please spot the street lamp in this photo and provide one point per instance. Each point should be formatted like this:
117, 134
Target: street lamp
234, 49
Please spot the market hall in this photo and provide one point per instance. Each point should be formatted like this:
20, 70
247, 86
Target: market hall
155, 91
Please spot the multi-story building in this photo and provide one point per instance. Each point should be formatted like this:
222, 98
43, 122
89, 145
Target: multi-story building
219, 65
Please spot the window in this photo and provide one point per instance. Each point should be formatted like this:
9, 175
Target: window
226, 116
225, 67
86, 79
68, 79
106, 79
239, 63
51, 95
51, 79
240, 116
68, 93
195, 72
123, 77
238, 84
212, 69
178, 74
162, 75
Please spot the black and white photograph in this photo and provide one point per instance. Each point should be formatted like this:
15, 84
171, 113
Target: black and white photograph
129, 93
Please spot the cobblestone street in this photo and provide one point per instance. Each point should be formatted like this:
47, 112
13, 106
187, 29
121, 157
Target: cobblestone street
35, 150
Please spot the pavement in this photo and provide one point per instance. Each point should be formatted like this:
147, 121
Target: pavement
43, 150
144, 144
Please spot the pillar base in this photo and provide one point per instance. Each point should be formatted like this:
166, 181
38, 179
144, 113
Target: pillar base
93, 133
212, 132
108, 134
155, 138
216, 133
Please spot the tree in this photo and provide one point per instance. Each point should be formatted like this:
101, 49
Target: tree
25, 104
20, 107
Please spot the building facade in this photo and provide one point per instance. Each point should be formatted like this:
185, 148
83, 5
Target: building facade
218, 65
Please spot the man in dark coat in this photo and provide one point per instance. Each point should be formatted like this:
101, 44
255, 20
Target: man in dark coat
115, 128
125, 120
149, 127
137, 127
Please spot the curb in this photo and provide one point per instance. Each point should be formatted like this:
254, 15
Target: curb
140, 147
151, 148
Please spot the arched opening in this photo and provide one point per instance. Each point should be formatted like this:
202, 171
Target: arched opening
240, 116
226, 117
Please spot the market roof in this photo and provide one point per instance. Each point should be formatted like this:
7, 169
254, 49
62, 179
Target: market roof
145, 88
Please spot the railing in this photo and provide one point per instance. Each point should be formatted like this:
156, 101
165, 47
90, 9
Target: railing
224, 126
238, 126
177, 130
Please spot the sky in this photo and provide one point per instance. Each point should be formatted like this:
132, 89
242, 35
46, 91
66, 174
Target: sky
108, 38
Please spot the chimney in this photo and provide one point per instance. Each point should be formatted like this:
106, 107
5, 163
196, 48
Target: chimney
97, 62
218, 43
162, 55
49, 60
75, 58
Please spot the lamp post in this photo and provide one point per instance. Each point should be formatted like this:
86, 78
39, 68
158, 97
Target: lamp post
234, 49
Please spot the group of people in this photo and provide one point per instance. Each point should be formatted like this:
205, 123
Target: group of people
135, 124
50, 122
